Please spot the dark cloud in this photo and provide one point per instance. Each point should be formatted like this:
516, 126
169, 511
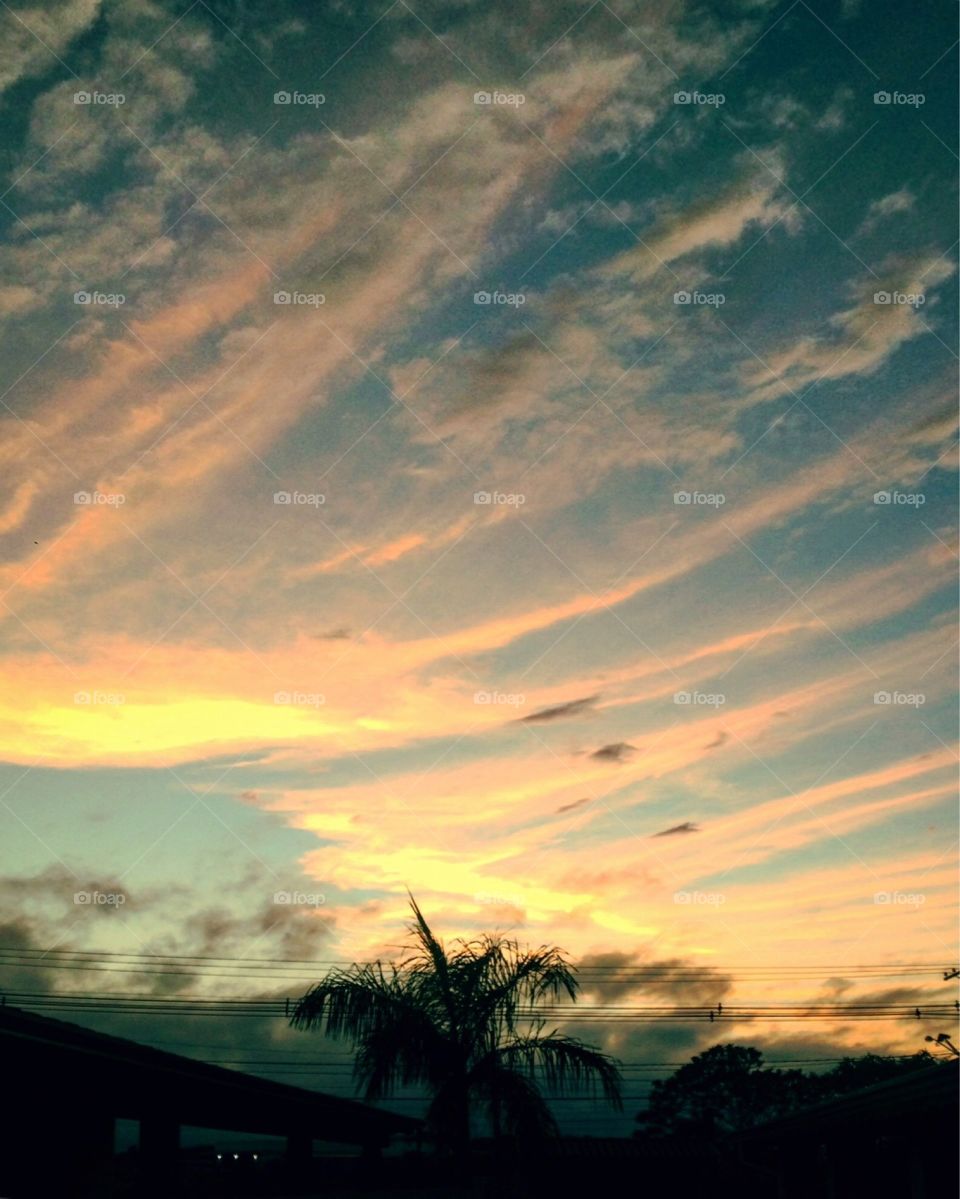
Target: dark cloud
612, 975
573, 707
21, 935
263, 920
941, 422
904, 997
706, 987
612, 971
658, 1042
836, 987
620, 978
58, 887
721, 739
577, 803
233, 1040
687, 827
789, 1047
496, 378
339, 634
282, 929
618, 751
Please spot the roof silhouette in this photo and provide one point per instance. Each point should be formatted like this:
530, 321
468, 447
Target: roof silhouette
134, 1081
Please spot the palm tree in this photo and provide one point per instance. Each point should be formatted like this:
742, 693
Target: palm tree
462, 1023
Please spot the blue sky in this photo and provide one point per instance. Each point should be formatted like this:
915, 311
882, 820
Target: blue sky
621, 397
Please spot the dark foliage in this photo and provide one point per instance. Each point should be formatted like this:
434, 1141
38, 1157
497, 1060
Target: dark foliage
454, 1022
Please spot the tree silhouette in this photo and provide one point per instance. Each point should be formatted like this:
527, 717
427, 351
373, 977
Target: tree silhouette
725, 1089
461, 1022
729, 1088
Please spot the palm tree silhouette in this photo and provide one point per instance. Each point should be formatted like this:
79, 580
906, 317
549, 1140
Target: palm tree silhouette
462, 1023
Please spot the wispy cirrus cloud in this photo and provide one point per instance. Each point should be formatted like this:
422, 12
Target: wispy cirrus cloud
480, 495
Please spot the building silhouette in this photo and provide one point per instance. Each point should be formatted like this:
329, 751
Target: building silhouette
67, 1086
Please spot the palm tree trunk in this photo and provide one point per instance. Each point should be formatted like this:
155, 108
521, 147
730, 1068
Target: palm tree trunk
459, 1124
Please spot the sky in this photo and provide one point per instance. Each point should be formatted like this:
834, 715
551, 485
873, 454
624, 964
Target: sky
504, 452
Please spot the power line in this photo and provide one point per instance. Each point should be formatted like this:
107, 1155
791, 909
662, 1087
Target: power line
337, 1067
265, 970
609, 1013
79, 955
344, 1061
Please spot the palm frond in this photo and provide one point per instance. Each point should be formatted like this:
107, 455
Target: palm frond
432, 972
513, 1101
517, 979
395, 1038
347, 1003
567, 1065
404, 1052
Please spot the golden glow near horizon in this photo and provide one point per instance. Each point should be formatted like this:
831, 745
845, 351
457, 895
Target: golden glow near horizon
545, 505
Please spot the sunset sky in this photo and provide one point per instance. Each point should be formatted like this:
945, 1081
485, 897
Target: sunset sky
210, 697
